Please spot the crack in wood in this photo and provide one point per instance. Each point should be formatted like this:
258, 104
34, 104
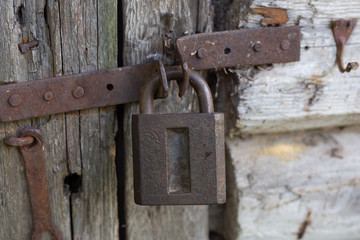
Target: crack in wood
304, 225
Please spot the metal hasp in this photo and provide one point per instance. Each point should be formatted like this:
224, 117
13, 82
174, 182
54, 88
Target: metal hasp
122, 85
31, 147
342, 30
179, 159
254, 46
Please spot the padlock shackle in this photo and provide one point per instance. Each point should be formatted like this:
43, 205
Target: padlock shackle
199, 84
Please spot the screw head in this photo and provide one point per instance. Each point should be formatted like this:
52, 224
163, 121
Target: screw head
78, 92
257, 46
48, 96
201, 53
15, 100
285, 44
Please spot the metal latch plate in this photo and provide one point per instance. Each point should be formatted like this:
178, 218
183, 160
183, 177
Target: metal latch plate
252, 46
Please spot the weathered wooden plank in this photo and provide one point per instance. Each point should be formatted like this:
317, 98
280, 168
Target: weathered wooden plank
76, 36
308, 94
280, 183
144, 27
14, 202
89, 44
22, 22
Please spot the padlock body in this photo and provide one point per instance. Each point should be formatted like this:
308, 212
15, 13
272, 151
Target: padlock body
179, 159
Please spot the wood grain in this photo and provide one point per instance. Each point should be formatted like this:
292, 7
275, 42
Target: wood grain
311, 93
284, 186
75, 36
144, 27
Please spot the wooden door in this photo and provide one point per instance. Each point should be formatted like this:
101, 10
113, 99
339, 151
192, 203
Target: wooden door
285, 180
74, 36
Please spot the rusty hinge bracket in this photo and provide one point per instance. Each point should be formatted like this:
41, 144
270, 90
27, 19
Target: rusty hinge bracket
30, 143
122, 85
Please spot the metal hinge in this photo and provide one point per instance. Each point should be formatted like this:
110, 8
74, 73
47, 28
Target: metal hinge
122, 85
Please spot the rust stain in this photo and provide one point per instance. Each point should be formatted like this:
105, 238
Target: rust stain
304, 225
315, 80
273, 16
285, 152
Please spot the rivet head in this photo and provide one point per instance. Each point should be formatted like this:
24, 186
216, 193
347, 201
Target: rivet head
257, 47
78, 92
15, 100
48, 96
285, 44
201, 53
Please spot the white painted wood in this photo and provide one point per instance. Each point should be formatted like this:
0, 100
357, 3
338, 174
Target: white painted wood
311, 93
275, 181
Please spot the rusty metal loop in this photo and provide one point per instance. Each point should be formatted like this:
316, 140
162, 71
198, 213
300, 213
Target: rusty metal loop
163, 90
340, 53
202, 90
19, 141
37, 139
185, 82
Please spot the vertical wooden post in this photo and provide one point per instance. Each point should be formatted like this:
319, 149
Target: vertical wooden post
145, 26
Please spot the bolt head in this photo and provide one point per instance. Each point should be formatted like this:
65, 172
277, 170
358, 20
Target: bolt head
201, 53
15, 100
257, 47
78, 92
48, 96
285, 44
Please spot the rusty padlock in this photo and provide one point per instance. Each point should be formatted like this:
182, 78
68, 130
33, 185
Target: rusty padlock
178, 158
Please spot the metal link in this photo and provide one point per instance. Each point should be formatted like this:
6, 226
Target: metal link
185, 82
19, 141
163, 90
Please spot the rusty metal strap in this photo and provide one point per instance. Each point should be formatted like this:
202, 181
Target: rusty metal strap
74, 92
122, 85
253, 46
